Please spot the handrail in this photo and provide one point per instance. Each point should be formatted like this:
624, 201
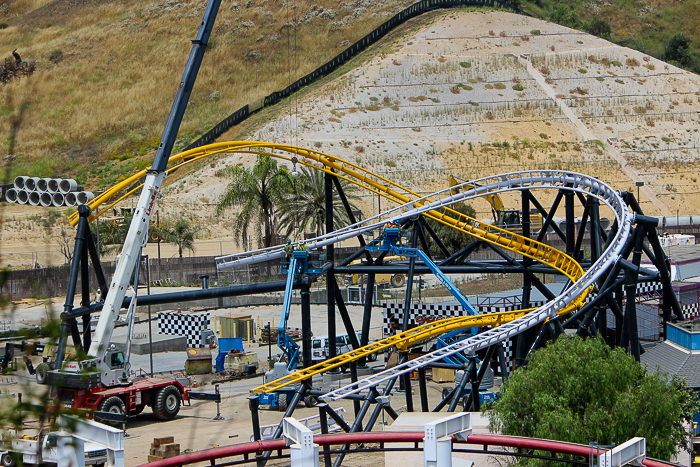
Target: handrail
485, 440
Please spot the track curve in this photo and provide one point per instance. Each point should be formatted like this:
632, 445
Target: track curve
564, 180
560, 306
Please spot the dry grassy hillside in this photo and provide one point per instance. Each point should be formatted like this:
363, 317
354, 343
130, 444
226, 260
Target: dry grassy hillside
454, 92
107, 71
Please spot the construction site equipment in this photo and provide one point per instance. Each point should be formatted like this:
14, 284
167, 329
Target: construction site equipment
103, 381
198, 362
242, 364
395, 280
226, 346
510, 219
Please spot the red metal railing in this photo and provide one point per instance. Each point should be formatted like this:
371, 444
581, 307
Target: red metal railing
484, 440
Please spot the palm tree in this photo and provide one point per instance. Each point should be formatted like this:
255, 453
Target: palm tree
181, 232
259, 192
307, 209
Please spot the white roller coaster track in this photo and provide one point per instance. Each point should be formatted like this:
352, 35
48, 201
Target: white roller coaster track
495, 184
508, 182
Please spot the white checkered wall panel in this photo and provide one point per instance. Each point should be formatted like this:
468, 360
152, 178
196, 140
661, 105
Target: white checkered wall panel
184, 324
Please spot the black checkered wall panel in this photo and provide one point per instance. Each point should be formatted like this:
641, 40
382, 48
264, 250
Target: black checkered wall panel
184, 324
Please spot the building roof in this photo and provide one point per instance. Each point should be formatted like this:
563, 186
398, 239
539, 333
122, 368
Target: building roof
674, 360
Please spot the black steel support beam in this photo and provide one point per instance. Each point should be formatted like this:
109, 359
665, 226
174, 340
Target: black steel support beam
307, 358
570, 223
344, 315
348, 210
330, 274
69, 325
367, 313
485, 364
438, 241
191, 295
423, 390
549, 216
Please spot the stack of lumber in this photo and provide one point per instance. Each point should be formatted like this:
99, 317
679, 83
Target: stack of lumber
163, 448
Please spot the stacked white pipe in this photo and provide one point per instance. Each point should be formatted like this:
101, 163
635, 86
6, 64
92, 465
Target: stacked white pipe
47, 192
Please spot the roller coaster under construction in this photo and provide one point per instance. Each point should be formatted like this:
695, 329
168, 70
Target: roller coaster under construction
605, 281
601, 282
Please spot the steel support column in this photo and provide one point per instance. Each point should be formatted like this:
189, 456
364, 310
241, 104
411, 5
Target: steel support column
328, 184
306, 356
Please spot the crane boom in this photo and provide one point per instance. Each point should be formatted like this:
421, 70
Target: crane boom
138, 229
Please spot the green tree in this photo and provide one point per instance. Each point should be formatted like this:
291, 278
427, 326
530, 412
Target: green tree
181, 232
453, 239
258, 192
307, 208
599, 27
566, 16
677, 50
583, 391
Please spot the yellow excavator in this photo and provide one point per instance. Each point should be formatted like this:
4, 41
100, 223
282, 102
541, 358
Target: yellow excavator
509, 219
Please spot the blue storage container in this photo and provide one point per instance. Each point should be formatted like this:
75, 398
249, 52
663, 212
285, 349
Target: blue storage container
225, 345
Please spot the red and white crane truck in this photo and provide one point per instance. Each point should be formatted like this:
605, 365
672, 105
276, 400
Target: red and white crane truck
102, 381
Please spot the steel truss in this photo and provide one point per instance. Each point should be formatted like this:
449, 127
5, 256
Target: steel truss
613, 287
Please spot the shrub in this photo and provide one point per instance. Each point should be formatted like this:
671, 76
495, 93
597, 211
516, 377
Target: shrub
499, 86
4, 25
465, 64
535, 32
599, 27
518, 87
56, 55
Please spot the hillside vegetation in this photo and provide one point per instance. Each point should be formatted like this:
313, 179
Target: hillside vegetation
663, 29
107, 71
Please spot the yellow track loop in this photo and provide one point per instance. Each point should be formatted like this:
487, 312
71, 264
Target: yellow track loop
395, 192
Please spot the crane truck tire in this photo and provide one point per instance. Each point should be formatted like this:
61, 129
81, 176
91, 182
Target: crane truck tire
6, 460
167, 403
310, 401
42, 371
446, 391
372, 357
398, 280
112, 404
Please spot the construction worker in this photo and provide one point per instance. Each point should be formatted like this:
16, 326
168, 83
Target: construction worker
302, 246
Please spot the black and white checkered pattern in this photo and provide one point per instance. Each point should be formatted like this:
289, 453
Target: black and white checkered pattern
502, 308
648, 287
184, 324
419, 314
690, 310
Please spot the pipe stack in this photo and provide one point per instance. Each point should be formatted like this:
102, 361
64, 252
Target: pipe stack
47, 192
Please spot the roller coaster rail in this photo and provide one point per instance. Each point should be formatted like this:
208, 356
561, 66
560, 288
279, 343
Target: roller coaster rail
608, 270
500, 183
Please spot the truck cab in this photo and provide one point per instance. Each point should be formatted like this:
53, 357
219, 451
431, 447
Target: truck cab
320, 348
24, 448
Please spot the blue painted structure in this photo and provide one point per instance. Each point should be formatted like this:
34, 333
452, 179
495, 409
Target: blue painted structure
227, 344
687, 335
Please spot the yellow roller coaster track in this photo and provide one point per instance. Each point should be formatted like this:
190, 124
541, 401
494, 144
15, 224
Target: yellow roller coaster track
399, 194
